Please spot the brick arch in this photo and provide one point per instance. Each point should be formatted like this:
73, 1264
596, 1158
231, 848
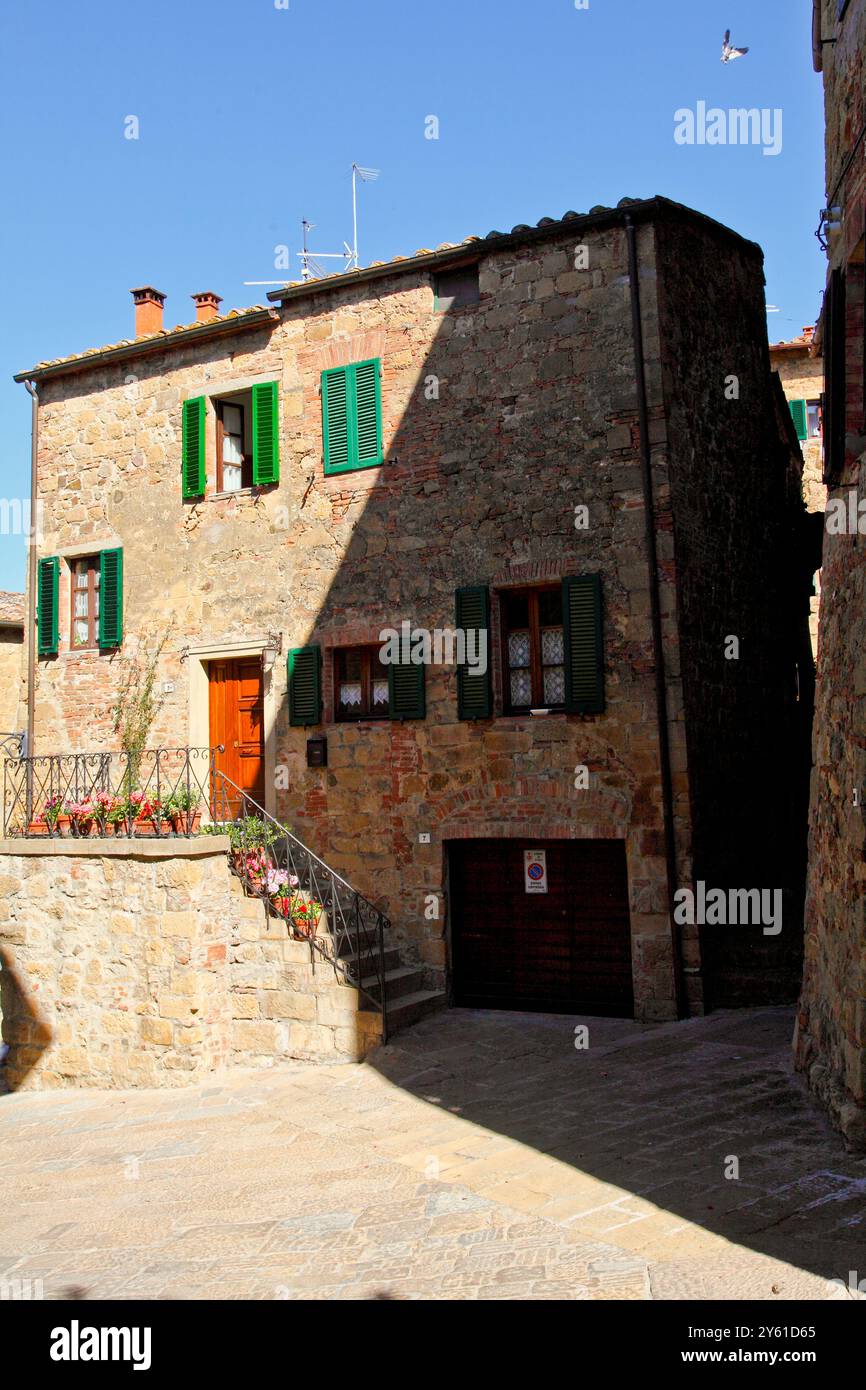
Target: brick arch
530, 806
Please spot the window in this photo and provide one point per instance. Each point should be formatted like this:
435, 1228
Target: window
234, 460
454, 288
352, 416
813, 419
96, 602
247, 441
533, 649
360, 684
84, 625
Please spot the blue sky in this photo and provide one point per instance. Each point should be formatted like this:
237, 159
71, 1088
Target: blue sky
250, 117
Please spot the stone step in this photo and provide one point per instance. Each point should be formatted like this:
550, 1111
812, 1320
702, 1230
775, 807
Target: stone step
403, 980
412, 1007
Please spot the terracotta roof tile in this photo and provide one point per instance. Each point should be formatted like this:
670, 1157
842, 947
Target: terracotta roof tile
151, 337
521, 229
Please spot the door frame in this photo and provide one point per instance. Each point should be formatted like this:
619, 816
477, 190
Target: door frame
199, 698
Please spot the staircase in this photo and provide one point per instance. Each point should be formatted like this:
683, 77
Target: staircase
353, 937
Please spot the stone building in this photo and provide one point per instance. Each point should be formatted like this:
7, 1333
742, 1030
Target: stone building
802, 377
11, 649
464, 441
830, 1042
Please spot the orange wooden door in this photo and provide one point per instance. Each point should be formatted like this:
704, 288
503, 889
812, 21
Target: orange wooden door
237, 722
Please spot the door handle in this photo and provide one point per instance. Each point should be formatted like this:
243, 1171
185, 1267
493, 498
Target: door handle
237, 745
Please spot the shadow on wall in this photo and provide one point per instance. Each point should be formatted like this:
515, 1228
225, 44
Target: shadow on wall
483, 417
25, 1031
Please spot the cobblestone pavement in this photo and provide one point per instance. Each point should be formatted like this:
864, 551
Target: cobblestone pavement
480, 1155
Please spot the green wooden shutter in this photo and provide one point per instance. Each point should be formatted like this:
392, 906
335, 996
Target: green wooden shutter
193, 448
406, 691
472, 613
110, 598
584, 646
266, 434
48, 587
352, 416
798, 415
305, 686
335, 419
368, 413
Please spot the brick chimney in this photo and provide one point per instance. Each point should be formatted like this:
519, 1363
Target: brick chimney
149, 304
207, 306
808, 331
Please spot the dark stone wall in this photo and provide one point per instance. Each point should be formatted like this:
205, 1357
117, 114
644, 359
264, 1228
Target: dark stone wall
736, 502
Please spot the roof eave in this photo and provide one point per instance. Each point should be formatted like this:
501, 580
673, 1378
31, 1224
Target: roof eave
476, 247
144, 347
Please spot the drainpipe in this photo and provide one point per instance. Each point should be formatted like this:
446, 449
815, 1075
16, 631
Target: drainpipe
31, 572
656, 615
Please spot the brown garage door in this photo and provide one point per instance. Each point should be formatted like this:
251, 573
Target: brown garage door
564, 951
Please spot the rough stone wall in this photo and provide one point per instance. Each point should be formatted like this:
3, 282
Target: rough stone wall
830, 1039
124, 969
11, 651
500, 418
802, 378
734, 498
535, 415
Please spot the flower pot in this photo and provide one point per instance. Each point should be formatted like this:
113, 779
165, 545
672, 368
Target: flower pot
81, 829
37, 827
186, 822
143, 827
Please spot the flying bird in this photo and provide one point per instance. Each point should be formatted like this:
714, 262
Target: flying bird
727, 51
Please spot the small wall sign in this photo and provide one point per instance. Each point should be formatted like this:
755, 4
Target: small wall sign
535, 870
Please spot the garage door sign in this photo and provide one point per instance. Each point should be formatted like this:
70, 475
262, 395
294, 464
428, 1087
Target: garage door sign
535, 870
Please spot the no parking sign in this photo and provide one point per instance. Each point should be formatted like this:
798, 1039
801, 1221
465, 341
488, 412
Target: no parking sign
535, 870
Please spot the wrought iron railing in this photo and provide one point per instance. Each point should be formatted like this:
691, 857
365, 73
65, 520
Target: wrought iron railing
13, 745
317, 904
160, 792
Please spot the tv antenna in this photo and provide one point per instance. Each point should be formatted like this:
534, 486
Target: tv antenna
311, 267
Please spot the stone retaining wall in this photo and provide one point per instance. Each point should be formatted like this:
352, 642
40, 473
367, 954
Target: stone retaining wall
147, 966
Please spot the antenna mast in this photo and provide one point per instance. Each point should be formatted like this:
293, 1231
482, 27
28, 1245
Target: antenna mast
310, 267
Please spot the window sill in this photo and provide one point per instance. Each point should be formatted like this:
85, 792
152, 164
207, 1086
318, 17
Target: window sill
356, 468
555, 711
363, 719
80, 652
238, 492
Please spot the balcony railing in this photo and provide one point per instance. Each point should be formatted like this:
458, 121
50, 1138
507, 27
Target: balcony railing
161, 792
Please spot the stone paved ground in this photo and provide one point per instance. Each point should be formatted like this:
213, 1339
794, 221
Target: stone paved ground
478, 1156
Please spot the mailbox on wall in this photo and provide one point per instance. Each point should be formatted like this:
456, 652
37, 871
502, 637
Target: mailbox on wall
317, 751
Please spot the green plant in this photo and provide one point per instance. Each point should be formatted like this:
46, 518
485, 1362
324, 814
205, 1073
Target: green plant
251, 832
181, 802
136, 706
